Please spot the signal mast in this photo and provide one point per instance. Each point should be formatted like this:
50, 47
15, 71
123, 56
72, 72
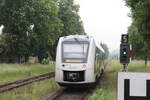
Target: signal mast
125, 51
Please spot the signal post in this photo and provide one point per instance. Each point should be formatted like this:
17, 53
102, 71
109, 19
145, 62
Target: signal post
125, 51
131, 85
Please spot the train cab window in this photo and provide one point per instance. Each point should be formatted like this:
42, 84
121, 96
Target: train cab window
75, 52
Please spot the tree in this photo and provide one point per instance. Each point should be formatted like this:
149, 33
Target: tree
33, 27
68, 14
47, 29
18, 18
141, 22
15, 26
137, 42
1, 3
6, 48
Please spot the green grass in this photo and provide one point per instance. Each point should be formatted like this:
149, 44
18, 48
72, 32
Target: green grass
31, 92
12, 72
109, 84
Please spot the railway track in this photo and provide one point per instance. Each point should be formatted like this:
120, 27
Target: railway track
69, 94
20, 83
73, 93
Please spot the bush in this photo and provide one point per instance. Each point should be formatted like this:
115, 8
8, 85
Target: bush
45, 61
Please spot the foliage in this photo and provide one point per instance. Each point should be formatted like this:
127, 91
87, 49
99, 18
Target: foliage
45, 61
141, 22
47, 29
68, 14
6, 48
32, 27
137, 42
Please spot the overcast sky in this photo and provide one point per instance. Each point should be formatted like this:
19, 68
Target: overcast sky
106, 20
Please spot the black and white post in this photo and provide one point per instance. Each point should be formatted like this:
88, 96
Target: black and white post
133, 86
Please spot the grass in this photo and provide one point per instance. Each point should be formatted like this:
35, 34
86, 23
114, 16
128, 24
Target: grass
109, 83
30, 92
12, 72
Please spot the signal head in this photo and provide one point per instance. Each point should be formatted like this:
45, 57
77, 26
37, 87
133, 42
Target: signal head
124, 38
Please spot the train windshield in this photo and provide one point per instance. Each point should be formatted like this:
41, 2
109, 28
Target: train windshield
75, 51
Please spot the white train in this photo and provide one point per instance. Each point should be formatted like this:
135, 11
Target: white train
79, 60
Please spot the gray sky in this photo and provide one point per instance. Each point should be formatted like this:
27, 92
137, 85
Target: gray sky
106, 20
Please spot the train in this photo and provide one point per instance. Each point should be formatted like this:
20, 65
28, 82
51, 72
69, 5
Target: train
79, 61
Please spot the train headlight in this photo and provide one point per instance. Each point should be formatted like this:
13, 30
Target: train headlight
84, 66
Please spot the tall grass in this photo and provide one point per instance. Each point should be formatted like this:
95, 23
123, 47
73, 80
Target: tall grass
12, 72
108, 90
30, 92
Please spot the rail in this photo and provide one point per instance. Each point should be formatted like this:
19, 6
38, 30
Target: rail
23, 82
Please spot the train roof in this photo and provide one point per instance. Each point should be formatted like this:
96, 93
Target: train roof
78, 36
84, 37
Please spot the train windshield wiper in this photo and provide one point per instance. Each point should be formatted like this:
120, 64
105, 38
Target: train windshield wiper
82, 45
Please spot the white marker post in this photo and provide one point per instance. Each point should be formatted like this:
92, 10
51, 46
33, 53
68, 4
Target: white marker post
133, 86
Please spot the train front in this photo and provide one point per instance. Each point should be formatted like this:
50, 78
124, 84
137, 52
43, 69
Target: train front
73, 66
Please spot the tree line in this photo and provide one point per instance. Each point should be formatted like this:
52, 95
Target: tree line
32, 27
139, 31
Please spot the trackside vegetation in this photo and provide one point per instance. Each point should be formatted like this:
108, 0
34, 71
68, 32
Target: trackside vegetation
34, 91
106, 91
108, 87
12, 72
